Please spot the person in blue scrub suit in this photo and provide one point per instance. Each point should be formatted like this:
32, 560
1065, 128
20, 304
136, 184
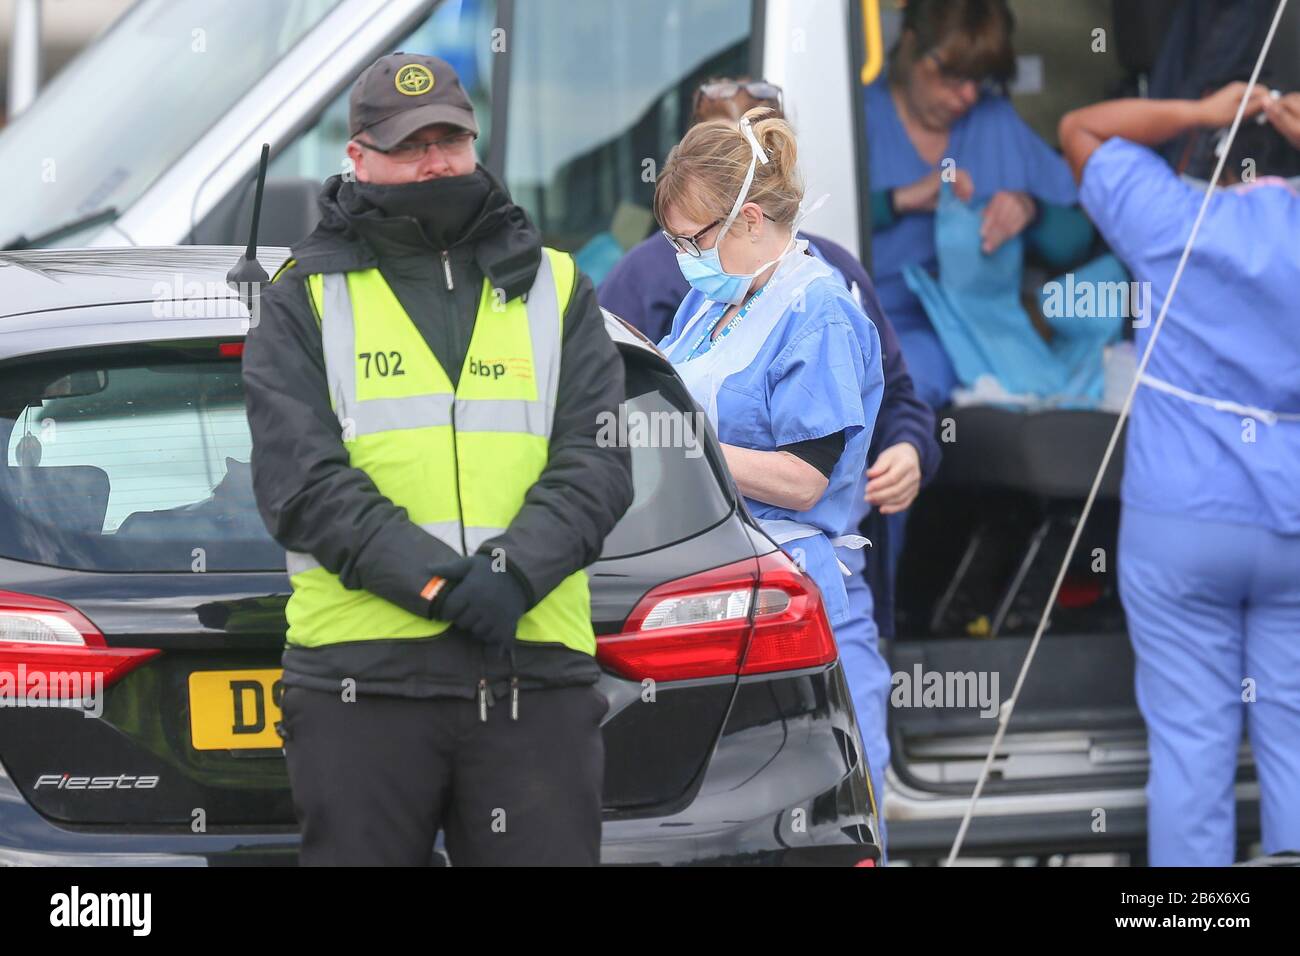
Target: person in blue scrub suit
937, 114
770, 343
1209, 548
646, 288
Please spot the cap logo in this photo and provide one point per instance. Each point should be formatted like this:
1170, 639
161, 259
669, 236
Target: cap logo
413, 79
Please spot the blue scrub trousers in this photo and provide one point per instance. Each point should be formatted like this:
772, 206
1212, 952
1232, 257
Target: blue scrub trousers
868, 676
1209, 605
865, 668
866, 671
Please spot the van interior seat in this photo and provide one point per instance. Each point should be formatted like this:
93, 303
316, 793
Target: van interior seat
1052, 454
1049, 457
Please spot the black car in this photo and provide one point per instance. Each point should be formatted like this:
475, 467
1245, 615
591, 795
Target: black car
133, 558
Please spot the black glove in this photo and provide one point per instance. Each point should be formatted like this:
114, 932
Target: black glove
486, 603
452, 572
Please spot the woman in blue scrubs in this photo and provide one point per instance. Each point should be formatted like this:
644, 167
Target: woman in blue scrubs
770, 343
937, 114
1209, 548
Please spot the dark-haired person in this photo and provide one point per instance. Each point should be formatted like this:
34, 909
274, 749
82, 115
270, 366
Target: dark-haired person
939, 109
1209, 547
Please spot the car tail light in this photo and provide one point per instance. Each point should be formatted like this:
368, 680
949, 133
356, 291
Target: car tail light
790, 626
750, 617
230, 349
45, 643
692, 627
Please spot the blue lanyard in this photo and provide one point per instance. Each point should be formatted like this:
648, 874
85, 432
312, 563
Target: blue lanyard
735, 320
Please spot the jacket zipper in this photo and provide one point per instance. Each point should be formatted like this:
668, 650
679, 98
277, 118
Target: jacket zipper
514, 684
446, 270
455, 467
483, 700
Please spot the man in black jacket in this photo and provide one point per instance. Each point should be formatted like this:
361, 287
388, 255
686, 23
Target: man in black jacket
391, 738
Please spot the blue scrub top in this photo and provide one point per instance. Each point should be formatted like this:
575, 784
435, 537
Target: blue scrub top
1000, 152
818, 373
1232, 333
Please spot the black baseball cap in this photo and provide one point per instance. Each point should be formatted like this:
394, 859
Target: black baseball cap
403, 92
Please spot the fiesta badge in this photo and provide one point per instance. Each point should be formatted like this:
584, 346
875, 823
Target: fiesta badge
413, 79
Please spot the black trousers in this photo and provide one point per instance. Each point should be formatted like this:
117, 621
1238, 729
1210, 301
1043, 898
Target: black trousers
375, 780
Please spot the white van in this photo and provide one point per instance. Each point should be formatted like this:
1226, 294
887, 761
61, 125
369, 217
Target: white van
160, 122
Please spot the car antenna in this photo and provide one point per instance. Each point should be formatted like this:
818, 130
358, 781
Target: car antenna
248, 272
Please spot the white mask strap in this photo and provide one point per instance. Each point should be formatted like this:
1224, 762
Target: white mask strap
748, 130
756, 156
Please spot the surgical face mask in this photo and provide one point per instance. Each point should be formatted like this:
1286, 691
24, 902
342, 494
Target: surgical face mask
705, 273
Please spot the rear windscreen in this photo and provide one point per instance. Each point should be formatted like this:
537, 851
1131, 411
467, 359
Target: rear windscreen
130, 468
678, 492
113, 466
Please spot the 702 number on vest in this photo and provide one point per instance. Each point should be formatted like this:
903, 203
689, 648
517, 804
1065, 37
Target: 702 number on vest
385, 363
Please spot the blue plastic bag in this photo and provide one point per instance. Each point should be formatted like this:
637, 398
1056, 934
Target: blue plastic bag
976, 311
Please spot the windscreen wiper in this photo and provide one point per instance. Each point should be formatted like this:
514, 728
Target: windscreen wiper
107, 214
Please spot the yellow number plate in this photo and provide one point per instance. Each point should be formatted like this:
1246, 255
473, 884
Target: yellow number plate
235, 710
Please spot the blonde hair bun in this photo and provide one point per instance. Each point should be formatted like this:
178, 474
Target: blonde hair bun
706, 170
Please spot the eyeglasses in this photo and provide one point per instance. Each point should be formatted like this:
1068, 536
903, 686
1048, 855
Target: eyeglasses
412, 151
759, 90
954, 80
691, 244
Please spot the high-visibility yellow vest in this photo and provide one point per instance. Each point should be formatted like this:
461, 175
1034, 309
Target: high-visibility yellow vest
460, 461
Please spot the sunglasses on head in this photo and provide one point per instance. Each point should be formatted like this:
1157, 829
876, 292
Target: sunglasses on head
759, 90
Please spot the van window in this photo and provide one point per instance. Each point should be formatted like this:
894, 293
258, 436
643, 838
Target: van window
599, 92
120, 114
458, 32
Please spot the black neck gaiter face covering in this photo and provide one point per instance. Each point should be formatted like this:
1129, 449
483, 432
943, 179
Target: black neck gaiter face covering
444, 207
